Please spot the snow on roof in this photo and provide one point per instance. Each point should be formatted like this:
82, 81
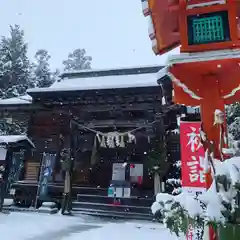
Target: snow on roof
15, 138
162, 72
96, 82
26, 99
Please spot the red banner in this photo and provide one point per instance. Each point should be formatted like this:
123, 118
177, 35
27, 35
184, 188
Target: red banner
192, 155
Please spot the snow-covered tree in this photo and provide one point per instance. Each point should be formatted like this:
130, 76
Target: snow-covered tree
42, 75
217, 206
173, 179
12, 128
14, 64
77, 60
233, 120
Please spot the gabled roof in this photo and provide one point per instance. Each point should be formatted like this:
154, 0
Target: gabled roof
104, 79
15, 138
21, 100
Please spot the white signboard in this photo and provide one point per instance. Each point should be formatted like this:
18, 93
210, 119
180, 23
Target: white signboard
118, 172
135, 172
3, 153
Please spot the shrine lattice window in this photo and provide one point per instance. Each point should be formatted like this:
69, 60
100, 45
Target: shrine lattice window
208, 28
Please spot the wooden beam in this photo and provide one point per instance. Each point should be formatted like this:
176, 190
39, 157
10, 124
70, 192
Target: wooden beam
105, 99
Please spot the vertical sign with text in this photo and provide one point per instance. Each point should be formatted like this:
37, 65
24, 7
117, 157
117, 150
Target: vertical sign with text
47, 165
192, 156
193, 167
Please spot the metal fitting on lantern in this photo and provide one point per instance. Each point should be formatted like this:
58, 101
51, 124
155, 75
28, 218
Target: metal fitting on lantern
218, 117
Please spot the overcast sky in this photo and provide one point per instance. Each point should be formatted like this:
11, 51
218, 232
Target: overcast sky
113, 32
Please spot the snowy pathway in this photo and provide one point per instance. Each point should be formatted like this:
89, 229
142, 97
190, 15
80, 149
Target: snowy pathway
63, 233
125, 231
35, 226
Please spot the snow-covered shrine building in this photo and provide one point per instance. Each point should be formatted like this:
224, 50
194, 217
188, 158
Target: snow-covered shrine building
119, 125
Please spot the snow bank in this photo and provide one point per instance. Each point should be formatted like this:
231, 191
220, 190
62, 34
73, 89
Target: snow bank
22, 226
229, 168
26, 99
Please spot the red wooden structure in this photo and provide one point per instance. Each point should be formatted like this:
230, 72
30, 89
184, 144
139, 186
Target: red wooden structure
206, 73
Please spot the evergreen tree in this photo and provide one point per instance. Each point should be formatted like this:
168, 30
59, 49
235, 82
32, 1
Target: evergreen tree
55, 75
41, 69
233, 120
14, 64
173, 179
77, 60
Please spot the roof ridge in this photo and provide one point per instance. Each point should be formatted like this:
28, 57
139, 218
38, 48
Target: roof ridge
112, 72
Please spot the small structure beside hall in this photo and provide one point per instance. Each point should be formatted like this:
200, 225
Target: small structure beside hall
14, 150
15, 115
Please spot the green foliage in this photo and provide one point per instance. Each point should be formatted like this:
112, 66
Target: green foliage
157, 157
77, 60
14, 64
177, 222
42, 75
229, 232
233, 120
174, 217
13, 128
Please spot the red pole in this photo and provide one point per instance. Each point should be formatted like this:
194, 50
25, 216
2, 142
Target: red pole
211, 102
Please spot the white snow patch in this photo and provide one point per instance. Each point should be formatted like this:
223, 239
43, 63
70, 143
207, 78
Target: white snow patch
178, 121
213, 202
230, 168
162, 72
203, 56
175, 131
106, 82
14, 139
103, 82
22, 226
26, 99
173, 181
151, 30
121, 231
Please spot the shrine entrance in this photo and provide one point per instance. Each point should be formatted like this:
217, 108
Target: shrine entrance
106, 162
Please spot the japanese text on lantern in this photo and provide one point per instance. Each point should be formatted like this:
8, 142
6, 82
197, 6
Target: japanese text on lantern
192, 155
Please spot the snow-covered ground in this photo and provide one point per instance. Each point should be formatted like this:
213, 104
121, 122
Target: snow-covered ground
128, 230
35, 226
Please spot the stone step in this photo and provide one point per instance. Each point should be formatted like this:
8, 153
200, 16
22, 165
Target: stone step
113, 214
111, 207
133, 201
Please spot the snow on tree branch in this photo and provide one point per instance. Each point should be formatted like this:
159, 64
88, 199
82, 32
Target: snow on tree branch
233, 120
77, 60
217, 204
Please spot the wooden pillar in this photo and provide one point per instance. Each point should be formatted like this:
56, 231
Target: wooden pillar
157, 183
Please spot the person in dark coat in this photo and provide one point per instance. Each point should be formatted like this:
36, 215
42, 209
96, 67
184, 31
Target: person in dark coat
66, 165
